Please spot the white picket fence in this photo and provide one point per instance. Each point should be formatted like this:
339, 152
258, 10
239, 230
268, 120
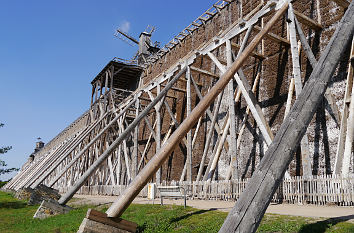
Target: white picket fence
318, 190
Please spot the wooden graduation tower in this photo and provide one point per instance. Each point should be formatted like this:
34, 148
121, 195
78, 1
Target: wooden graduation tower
203, 110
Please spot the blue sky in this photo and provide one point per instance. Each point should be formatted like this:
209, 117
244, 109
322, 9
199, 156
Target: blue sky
51, 50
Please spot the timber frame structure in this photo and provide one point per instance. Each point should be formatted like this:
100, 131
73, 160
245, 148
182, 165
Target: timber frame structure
190, 122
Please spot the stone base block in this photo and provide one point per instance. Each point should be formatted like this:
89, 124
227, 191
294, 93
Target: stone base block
24, 193
50, 208
98, 222
41, 193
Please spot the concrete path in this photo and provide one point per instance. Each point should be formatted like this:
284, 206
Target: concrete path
226, 206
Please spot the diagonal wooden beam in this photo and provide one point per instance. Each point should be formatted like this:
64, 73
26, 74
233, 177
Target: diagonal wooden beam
307, 21
124, 200
250, 99
249, 209
273, 36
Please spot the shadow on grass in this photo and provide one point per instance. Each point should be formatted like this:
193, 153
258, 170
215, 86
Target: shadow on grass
190, 214
322, 226
12, 205
143, 227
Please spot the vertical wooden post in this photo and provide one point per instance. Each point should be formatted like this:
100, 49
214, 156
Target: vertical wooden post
119, 164
305, 152
209, 136
136, 145
189, 134
231, 102
158, 134
349, 140
339, 162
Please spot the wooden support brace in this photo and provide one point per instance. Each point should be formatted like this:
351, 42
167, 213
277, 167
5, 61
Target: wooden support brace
274, 37
143, 177
204, 72
307, 21
250, 99
249, 209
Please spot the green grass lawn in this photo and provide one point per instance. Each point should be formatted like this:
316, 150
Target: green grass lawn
16, 216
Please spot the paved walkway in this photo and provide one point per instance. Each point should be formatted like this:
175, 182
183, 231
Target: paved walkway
226, 206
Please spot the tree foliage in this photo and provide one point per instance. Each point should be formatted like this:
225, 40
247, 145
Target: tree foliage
3, 165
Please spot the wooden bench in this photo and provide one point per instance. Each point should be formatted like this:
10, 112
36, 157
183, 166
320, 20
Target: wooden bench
172, 192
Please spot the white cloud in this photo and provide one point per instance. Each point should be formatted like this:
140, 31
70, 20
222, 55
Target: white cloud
125, 26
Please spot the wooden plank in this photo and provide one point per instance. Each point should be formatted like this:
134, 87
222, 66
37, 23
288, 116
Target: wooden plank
307, 21
204, 72
273, 36
119, 223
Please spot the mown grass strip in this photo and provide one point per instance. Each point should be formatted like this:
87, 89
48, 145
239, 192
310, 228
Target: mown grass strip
16, 216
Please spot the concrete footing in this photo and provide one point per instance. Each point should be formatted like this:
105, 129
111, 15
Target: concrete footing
50, 208
98, 222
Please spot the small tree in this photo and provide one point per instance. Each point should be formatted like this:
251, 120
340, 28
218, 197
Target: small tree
3, 150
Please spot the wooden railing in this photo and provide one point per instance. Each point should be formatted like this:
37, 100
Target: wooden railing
318, 190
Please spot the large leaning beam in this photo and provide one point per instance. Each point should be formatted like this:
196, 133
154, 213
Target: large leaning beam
250, 208
124, 200
73, 189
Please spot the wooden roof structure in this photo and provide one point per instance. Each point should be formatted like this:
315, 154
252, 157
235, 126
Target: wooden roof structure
126, 76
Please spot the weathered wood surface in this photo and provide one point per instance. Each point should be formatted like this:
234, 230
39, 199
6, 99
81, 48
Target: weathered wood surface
118, 223
250, 208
